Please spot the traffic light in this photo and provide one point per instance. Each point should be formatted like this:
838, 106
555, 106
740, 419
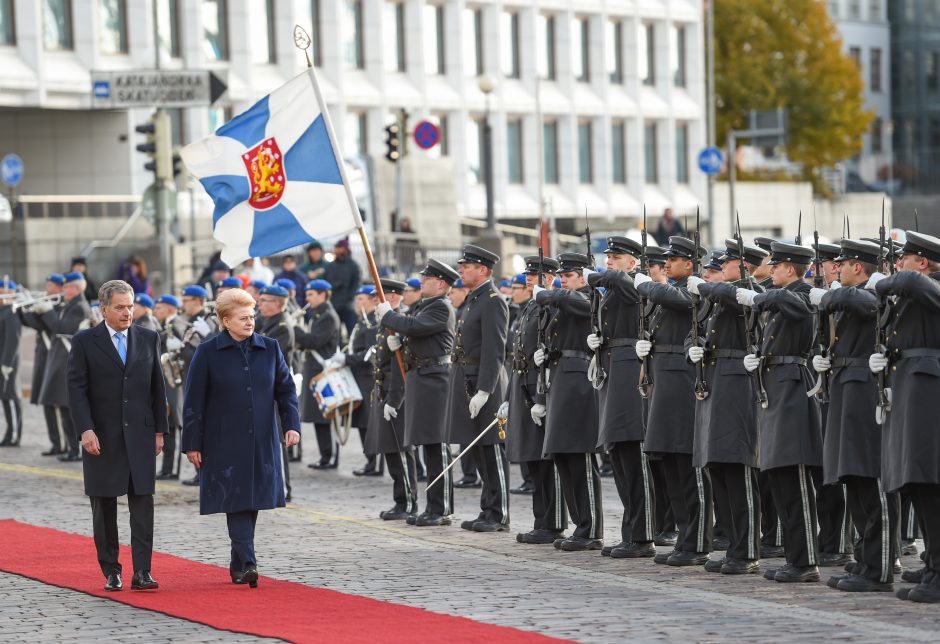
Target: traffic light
158, 146
393, 142
150, 147
177, 164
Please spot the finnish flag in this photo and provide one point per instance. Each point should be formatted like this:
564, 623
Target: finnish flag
274, 175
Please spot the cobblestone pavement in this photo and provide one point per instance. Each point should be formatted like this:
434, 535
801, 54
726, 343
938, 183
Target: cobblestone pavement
331, 537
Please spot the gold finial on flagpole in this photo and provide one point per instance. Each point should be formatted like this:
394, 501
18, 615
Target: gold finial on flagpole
302, 41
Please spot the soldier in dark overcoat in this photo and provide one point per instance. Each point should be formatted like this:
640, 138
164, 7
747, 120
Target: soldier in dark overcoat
10, 332
172, 330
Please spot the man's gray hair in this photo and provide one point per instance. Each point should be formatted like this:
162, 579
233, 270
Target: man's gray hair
108, 289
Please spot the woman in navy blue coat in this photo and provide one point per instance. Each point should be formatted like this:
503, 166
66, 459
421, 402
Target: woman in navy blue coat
237, 383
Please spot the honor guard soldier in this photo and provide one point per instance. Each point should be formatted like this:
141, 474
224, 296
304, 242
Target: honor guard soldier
143, 312
616, 371
10, 332
761, 273
670, 426
426, 338
384, 438
790, 426
852, 440
319, 336
63, 321
570, 412
525, 438
909, 362
726, 439
520, 294
478, 384
172, 330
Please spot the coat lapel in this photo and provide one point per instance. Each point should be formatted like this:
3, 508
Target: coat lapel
106, 344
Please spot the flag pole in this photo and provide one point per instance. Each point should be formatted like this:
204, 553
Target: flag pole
302, 41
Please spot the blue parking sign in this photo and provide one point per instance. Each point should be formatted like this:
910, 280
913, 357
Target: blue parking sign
710, 160
11, 170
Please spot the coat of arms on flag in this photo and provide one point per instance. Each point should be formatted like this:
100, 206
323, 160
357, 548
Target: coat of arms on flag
274, 175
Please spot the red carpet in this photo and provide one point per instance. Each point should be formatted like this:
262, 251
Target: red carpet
280, 609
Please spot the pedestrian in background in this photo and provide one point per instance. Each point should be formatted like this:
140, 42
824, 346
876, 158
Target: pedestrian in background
668, 227
315, 265
344, 275
289, 272
134, 272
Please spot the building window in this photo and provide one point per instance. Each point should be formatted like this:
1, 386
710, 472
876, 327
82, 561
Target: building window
585, 151
647, 52
855, 53
215, 29
510, 38
934, 136
475, 151
580, 49
434, 38
545, 35
550, 151
614, 47
834, 8
514, 150
678, 55
874, 10
261, 14
112, 23
168, 24
394, 37
650, 157
7, 28
682, 153
176, 125
57, 24
357, 133
219, 116
932, 69
855, 9
876, 144
352, 34
473, 41
875, 69
618, 149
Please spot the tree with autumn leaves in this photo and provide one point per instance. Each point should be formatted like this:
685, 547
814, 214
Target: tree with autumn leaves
787, 53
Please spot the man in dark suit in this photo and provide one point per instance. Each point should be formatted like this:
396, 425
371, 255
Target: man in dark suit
117, 400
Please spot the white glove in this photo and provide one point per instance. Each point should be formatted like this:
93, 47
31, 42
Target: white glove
338, 360
751, 361
41, 307
834, 285
381, 310
538, 413
537, 289
538, 357
173, 344
587, 271
389, 413
696, 354
594, 341
476, 403
202, 327
393, 342
745, 296
821, 364
692, 284
643, 348
503, 412
6, 371
874, 279
816, 295
877, 362
640, 278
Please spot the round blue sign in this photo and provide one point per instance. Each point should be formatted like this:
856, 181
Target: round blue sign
710, 160
427, 135
11, 170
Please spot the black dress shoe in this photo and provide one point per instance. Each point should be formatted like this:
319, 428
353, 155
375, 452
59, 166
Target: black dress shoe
850, 567
6, 442
540, 536
857, 584
683, 558
740, 567
770, 552
928, 593
525, 488
323, 464
143, 581
468, 524
193, 481
395, 514
489, 526
833, 582
913, 576
605, 551
633, 551
770, 573
904, 592
114, 582
412, 520
432, 520
367, 470
721, 543
70, 457
793, 574
834, 559
580, 544
663, 557
714, 565
666, 538
238, 576
250, 576
468, 481
52, 451
167, 476
908, 548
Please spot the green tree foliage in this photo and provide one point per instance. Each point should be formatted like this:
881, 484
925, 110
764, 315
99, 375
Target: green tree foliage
787, 53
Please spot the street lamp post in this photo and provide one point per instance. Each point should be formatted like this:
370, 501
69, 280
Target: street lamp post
889, 136
487, 85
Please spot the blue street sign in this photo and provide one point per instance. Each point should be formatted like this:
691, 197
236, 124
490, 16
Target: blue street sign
11, 170
102, 89
427, 135
710, 160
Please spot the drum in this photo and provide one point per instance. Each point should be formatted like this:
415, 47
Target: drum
336, 392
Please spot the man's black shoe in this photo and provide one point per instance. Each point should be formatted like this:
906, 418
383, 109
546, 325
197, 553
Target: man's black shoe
633, 551
770, 573
539, 537
143, 581
740, 567
367, 470
395, 514
557, 542
663, 557
489, 526
605, 551
925, 593
432, 520
666, 538
856, 584
579, 544
167, 476
468, 481
834, 559
70, 457
683, 558
833, 582
412, 519
904, 592
850, 567
525, 488
192, 481
52, 451
250, 576
7, 441
714, 565
468, 524
721, 543
913, 576
114, 582
793, 574
323, 464
770, 552
908, 548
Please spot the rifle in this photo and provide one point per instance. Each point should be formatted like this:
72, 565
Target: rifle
599, 375
751, 320
881, 326
542, 386
701, 386
798, 240
646, 382
821, 390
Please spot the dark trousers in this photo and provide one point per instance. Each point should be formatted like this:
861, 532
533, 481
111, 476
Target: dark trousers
65, 422
665, 518
690, 493
635, 486
548, 500
468, 464
419, 461
875, 513
770, 529
370, 458
926, 499
581, 485
104, 519
835, 521
493, 466
241, 531
169, 451
52, 427
401, 467
329, 449
795, 498
440, 498
13, 411
909, 520
737, 501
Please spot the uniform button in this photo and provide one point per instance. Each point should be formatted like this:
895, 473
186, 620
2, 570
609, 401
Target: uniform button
125, 424
125, 400
250, 430
246, 368
247, 388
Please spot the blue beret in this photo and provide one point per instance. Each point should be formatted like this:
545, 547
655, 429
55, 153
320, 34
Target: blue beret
505, 283
74, 277
319, 285
365, 289
414, 283
459, 284
144, 300
557, 282
56, 278
220, 266
229, 282
194, 290
519, 279
8, 283
172, 300
275, 290
258, 284
290, 285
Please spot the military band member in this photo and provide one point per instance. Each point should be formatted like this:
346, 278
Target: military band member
172, 330
520, 295
290, 286
524, 437
319, 337
411, 296
143, 312
253, 288
570, 410
726, 437
790, 426
622, 427
670, 427
426, 338
10, 333
910, 442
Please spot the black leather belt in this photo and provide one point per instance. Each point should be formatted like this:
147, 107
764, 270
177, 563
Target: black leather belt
433, 361
775, 360
918, 353
620, 342
569, 353
725, 353
521, 365
838, 363
466, 359
668, 348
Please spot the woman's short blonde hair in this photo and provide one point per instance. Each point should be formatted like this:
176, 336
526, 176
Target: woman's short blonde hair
231, 299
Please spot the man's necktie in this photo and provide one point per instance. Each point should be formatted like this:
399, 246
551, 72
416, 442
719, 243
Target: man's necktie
121, 347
